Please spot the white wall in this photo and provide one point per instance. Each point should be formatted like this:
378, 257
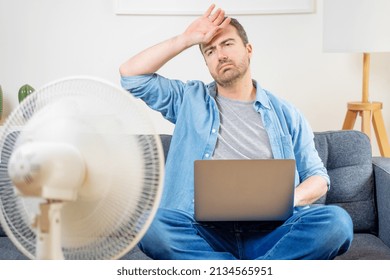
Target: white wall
44, 40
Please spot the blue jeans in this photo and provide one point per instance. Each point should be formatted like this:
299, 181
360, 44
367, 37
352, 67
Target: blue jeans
318, 232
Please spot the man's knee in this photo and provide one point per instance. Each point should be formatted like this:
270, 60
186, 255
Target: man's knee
159, 240
339, 220
339, 229
342, 224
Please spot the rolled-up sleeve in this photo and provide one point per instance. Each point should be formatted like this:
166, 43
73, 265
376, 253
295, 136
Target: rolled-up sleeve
159, 93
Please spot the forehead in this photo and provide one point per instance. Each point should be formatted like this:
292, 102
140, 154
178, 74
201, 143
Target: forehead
229, 32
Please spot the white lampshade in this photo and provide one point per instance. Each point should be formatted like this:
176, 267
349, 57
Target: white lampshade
356, 26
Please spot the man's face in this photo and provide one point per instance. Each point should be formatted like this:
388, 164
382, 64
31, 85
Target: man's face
227, 57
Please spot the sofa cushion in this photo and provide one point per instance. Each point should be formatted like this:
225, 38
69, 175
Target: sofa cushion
135, 254
348, 159
8, 251
366, 247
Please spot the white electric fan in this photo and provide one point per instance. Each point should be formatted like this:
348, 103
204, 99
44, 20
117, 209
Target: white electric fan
81, 171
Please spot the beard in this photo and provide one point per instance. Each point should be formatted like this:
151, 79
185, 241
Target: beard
227, 77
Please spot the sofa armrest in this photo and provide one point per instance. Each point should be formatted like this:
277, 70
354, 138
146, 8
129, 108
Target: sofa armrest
382, 184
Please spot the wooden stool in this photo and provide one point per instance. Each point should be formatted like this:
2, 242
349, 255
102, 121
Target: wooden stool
369, 111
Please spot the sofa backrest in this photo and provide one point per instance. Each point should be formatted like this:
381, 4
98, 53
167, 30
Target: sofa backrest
348, 159
166, 142
2, 233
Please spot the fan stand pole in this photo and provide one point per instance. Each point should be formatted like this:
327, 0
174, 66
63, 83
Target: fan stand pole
369, 111
49, 232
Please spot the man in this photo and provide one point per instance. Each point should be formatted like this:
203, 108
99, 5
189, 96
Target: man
232, 117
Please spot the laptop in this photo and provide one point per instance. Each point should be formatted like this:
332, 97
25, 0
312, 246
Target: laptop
244, 190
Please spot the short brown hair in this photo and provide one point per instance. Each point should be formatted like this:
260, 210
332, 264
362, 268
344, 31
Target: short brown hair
240, 30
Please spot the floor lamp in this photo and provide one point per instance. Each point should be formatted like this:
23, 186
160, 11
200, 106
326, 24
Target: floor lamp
360, 26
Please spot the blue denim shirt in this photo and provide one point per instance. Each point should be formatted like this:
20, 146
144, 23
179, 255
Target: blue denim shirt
192, 108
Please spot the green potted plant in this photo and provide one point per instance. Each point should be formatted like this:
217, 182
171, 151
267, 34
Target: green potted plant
25, 91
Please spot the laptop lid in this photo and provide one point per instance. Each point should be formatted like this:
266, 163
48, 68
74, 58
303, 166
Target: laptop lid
244, 190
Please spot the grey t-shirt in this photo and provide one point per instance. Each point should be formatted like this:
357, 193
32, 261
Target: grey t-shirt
242, 134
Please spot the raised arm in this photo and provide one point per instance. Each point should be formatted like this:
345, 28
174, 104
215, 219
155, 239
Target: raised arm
202, 30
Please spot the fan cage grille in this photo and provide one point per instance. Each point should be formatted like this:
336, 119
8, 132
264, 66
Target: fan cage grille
116, 242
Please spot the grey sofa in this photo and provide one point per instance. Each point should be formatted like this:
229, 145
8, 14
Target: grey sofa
359, 183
